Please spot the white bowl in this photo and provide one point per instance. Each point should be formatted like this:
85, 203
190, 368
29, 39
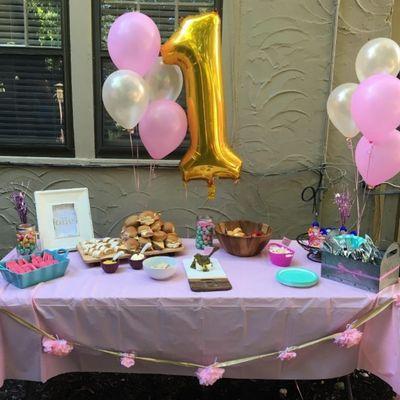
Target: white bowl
160, 274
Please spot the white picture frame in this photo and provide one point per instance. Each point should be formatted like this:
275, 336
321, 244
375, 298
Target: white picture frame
64, 218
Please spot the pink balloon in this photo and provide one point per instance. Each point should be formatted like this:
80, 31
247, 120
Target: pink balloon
134, 42
375, 106
162, 128
378, 162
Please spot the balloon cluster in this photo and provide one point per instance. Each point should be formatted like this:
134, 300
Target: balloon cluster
372, 107
144, 89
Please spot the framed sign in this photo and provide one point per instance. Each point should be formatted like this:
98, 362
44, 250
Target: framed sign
63, 217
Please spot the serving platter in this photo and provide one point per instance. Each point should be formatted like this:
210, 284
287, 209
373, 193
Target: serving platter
87, 259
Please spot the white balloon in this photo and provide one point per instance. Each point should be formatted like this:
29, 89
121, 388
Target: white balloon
164, 81
381, 55
339, 109
125, 97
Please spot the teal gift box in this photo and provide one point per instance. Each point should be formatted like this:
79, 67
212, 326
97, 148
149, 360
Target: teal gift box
38, 275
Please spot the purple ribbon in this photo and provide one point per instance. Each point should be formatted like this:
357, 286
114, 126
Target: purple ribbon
356, 274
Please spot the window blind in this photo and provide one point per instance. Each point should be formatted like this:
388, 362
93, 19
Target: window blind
165, 14
30, 23
31, 104
32, 78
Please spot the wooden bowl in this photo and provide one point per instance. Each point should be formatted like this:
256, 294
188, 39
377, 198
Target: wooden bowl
243, 246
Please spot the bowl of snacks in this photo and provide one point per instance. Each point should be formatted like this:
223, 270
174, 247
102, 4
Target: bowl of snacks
243, 238
110, 265
160, 267
136, 261
280, 255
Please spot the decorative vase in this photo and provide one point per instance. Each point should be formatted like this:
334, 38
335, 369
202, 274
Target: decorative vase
26, 239
204, 232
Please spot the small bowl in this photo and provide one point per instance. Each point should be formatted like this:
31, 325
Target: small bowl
281, 259
109, 268
136, 264
160, 274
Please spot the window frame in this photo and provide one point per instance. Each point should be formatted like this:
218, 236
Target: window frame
16, 148
80, 100
110, 151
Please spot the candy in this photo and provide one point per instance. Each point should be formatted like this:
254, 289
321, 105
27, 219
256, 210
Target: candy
22, 266
204, 232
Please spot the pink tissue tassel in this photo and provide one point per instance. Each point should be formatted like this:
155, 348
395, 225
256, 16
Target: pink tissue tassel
349, 338
209, 375
56, 347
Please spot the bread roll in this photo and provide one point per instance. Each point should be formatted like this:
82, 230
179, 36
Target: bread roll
132, 220
168, 227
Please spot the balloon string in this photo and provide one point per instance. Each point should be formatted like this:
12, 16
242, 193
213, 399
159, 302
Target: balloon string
152, 172
366, 188
137, 160
356, 179
135, 173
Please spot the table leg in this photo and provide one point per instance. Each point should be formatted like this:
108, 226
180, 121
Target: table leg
348, 387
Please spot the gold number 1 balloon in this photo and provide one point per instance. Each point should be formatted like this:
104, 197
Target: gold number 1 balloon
196, 48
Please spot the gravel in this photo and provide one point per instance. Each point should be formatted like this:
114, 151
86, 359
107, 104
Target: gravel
105, 386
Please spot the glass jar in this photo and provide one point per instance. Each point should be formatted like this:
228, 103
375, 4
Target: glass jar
26, 239
204, 232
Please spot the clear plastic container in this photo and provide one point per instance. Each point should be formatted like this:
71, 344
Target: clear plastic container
204, 232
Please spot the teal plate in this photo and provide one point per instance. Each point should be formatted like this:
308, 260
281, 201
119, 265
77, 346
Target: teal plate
297, 277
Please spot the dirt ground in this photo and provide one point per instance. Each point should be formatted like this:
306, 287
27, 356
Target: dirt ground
99, 386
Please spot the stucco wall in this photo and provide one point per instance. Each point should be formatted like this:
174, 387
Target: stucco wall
277, 63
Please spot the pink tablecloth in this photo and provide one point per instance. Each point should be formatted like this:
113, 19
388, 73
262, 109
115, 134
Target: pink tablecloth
129, 311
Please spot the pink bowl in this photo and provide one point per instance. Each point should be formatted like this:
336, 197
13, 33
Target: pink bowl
280, 259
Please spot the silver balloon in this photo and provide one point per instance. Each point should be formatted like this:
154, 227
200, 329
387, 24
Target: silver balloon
339, 109
381, 55
125, 97
164, 81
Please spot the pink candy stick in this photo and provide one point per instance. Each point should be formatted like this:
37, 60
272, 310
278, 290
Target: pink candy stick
11, 264
36, 261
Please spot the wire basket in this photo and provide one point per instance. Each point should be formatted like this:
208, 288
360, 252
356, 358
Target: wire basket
314, 253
